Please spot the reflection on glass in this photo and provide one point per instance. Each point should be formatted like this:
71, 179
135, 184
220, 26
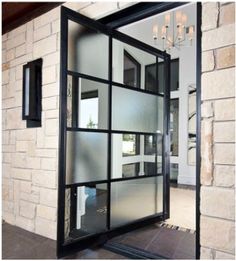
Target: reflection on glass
128, 62
86, 157
136, 164
174, 127
87, 103
85, 211
131, 70
135, 111
130, 145
174, 171
127, 197
84, 51
130, 170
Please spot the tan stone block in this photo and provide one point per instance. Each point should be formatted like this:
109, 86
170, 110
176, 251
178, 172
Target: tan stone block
225, 57
48, 164
24, 174
50, 90
51, 142
40, 138
224, 256
12, 137
217, 202
26, 135
224, 131
33, 163
45, 227
10, 55
206, 152
218, 84
208, 61
48, 197
45, 46
210, 13
5, 77
16, 196
225, 110
51, 59
25, 223
46, 212
56, 26
49, 75
52, 127
220, 37
217, 234
25, 186
19, 73
224, 176
21, 60
15, 41
49, 103
14, 119
8, 148
21, 50
47, 18
8, 217
8, 206
52, 114
27, 209
6, 157
42, 32
18, 30
5, 137
6, 170
46, 153
21, 146
8, 103
19, 160
227, 14
206, 253
224, 154
44, 178
30, 197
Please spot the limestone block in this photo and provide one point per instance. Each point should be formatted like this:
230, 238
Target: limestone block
45, 227
27, 209
225, 110
52, 127
46, 212
206, 253
42, 32
45, 46
224, 154
48, 197
25, 223
210, 13
224, 131
224, 176
44, 178
20, 50
208, 61
227, 14
225, 57
23, 174
15, 41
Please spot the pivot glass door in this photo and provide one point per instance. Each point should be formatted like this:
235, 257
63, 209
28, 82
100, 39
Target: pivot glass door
114, 134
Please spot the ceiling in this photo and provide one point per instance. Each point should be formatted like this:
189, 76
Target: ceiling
18, 13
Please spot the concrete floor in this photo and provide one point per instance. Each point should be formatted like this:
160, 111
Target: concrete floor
182, 208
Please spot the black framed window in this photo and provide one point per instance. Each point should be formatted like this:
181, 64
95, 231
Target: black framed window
132, 70
32, 93
154, 76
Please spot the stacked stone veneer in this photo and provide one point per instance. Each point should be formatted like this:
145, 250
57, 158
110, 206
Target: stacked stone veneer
30, 155
217, 224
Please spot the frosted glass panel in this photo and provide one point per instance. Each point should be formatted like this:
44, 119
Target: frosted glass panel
135, 111
87, 51
135, 199
86, 157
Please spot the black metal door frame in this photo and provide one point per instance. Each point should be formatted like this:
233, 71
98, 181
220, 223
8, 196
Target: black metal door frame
63, 248
141, 11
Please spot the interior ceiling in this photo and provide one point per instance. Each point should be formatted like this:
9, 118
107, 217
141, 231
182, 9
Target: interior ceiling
18, 13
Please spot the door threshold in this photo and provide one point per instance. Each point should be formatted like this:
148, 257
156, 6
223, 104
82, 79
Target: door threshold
130, 252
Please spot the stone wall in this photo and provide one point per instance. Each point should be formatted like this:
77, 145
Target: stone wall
29, 172
217, 227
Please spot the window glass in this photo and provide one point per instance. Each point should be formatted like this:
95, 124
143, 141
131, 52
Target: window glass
130, 145
174, 127
83, 206
130, 170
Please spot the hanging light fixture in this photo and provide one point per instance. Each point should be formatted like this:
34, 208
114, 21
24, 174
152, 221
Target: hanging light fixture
174, 32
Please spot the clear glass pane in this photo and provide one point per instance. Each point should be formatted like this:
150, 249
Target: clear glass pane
127, 197
87, 103
85, 211
86, 157
174, 127
87, 51
174, 75
141, 163
27, 91
174, 171
131, 70
135, 111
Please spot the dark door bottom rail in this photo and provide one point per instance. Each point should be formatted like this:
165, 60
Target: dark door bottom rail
130, 252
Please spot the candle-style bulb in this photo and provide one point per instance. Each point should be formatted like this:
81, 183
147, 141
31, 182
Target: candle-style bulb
155, 32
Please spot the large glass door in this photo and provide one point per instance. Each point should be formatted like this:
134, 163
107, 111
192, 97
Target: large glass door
114, 134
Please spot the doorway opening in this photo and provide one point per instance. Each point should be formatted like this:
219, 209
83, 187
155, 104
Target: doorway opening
140, 107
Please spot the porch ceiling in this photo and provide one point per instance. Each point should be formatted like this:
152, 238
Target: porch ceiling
15, 13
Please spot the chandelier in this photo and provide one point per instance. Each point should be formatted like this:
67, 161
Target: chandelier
174, 33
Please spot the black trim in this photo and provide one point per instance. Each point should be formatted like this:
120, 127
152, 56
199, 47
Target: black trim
198, 119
